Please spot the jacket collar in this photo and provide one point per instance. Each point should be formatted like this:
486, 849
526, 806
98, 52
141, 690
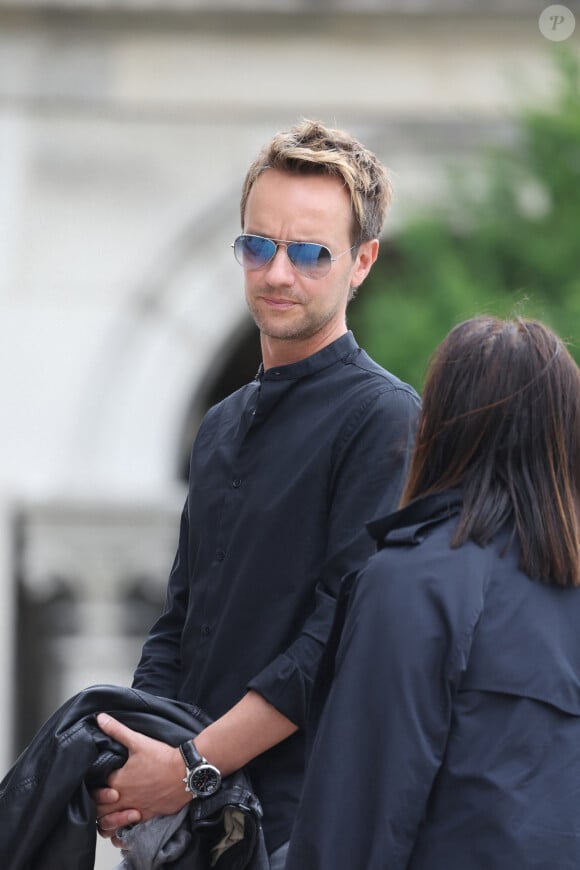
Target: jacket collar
409, 525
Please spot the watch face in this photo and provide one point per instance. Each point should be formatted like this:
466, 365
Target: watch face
205, 780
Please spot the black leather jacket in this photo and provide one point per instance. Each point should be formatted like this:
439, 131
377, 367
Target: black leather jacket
47, 816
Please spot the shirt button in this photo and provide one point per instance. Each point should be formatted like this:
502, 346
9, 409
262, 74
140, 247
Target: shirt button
206, 629
220, 555
236, 483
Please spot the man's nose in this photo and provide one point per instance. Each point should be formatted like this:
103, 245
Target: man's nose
280, 270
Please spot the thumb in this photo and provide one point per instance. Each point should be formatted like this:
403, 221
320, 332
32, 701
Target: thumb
119, 732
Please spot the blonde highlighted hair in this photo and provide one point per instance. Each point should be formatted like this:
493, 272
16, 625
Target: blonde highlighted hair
311, 148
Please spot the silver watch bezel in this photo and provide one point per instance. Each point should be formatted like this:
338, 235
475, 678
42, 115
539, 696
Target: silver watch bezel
192, 773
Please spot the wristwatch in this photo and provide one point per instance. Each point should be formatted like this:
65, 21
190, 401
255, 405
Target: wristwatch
201, 778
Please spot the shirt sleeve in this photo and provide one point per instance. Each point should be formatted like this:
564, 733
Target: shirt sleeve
383, 731
369, 466
159, 669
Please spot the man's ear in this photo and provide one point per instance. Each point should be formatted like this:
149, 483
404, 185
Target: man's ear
365, 257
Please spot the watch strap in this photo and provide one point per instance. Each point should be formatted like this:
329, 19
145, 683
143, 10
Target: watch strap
190, 755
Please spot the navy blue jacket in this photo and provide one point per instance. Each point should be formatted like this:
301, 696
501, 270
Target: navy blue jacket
284, 474
450, 737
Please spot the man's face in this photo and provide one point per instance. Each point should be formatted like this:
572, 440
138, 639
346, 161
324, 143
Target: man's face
287, 306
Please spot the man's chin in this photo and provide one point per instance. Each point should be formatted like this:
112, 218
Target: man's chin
276, 328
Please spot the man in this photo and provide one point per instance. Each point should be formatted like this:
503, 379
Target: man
284, 474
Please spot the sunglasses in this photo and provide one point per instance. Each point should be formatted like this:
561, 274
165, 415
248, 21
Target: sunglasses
308, 258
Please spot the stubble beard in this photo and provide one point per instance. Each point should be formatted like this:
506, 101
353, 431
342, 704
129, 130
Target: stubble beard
305, 328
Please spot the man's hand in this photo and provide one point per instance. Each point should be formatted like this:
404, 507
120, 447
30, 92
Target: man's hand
149, 783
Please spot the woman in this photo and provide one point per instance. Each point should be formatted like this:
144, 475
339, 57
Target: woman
450, 737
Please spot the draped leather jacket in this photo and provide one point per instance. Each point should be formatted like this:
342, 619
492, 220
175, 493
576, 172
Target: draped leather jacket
47, 816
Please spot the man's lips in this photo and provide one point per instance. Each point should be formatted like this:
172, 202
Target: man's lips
281, 304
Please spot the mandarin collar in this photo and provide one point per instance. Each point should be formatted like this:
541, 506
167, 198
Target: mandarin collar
409, 524
340, 349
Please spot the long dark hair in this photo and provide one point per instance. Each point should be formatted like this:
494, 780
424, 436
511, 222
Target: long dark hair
501, 421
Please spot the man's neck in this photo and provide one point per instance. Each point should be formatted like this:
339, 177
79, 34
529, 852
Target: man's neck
283, 352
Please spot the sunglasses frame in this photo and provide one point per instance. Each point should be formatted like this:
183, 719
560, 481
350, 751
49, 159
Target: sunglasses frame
285, 243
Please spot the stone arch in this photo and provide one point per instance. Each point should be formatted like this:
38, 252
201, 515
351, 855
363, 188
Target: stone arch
158, 351
235, 363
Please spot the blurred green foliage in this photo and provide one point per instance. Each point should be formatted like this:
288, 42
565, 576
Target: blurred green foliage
509, 244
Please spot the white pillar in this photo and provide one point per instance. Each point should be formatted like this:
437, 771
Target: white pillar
13, 165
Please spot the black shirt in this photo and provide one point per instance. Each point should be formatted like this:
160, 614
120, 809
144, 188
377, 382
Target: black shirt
284, 474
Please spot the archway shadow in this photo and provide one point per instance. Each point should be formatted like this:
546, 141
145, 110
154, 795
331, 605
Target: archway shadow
236, 364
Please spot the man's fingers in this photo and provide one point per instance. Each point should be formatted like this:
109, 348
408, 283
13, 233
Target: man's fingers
108, 824
105, 795
117, 730
111, 836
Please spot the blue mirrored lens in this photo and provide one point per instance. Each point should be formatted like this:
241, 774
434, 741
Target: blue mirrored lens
253, 252
309, 258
